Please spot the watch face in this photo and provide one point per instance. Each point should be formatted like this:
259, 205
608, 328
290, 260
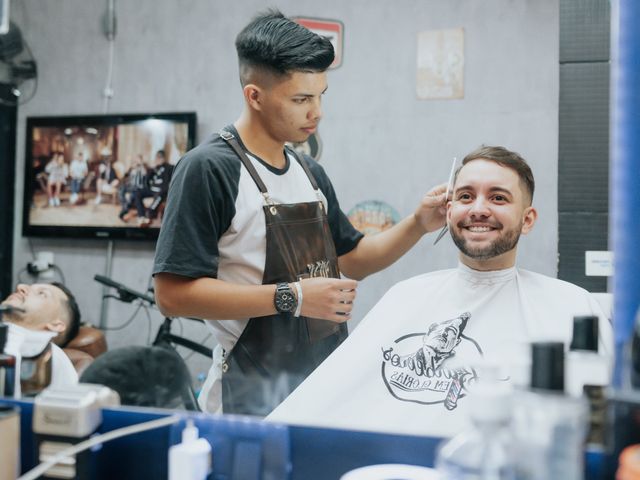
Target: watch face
285, 300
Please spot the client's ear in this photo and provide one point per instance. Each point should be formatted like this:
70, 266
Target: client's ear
56, 325
529, 217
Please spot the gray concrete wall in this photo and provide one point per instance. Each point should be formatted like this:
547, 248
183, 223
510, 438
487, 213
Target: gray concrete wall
380, 141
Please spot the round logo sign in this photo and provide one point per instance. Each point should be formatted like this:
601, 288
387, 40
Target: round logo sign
373, 216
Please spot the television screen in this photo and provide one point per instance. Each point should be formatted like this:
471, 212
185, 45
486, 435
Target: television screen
101, 176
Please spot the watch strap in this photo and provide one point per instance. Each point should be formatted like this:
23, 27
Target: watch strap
299, 305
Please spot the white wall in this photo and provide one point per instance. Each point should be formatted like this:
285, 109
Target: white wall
380, 142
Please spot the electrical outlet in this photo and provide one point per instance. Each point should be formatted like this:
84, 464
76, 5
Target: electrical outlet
42, 266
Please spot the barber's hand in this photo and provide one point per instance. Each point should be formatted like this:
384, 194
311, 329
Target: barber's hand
328, 298
431, 214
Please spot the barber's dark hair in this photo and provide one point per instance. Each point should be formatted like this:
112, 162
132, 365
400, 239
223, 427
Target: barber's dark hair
279, 45
161, 153
73, 311
506, 158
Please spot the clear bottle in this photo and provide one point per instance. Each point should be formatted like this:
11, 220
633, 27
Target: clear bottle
584, 365
483, 452
549, 427
200, 379
588, 374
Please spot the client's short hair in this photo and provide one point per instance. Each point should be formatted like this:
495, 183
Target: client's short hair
506, 158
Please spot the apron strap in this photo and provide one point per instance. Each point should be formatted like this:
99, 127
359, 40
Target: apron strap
230, 138
304, 166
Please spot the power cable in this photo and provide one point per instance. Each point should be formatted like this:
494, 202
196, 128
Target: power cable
41, 469
129, 320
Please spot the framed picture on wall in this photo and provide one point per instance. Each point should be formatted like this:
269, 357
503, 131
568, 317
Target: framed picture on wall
332, 29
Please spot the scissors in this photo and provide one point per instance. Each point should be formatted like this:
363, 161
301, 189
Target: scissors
446, 195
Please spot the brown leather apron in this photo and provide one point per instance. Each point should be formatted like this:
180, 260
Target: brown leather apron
274, 354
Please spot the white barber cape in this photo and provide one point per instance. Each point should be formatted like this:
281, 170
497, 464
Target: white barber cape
408, 365
22, 342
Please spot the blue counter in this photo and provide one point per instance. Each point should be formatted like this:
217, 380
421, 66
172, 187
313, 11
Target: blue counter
242, 447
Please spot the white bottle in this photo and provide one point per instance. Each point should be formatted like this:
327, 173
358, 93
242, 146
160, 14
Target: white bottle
191, 459
482, 452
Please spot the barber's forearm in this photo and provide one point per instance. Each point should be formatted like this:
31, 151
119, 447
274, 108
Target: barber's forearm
376, 252
212, 299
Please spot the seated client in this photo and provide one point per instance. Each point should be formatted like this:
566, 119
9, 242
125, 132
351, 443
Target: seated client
42, 318
408, 366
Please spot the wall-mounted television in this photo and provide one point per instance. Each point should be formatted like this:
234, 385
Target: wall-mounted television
101, 176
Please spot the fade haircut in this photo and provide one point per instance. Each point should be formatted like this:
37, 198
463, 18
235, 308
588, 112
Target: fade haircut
273, 44
506, 158
73, 314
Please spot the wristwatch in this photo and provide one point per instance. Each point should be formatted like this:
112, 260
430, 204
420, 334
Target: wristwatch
284, 299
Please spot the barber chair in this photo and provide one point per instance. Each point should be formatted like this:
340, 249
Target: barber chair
85, 347
144, 376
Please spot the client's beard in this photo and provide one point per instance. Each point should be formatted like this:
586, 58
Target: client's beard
11, 313
505, 243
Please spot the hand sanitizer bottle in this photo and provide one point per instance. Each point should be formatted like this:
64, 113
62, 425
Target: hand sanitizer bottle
191, 459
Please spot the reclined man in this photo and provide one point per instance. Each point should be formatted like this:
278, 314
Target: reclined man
407, 367
42, 318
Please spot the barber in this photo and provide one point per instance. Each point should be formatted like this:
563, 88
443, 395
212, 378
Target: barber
253, 238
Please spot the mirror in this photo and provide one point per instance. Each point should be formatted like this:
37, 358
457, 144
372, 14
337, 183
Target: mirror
379, 140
